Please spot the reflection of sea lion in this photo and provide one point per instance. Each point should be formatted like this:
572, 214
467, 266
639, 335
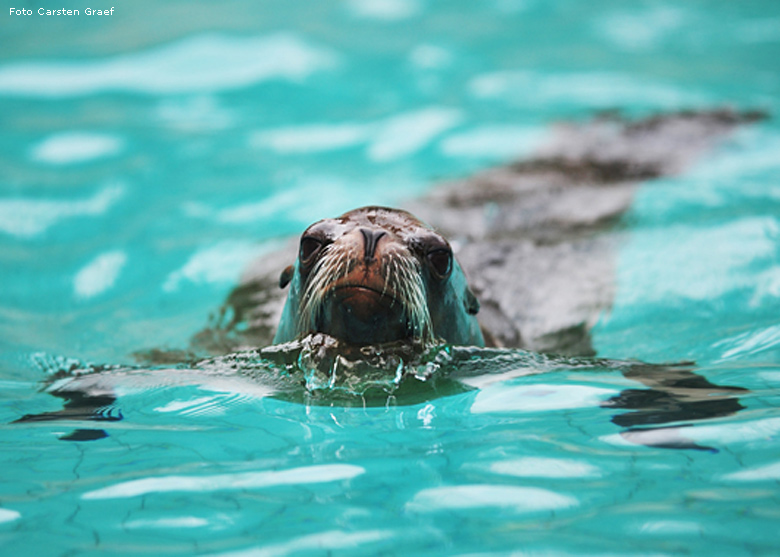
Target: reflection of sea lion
377, 275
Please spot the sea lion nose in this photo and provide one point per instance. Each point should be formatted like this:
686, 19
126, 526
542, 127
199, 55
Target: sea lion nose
370, 241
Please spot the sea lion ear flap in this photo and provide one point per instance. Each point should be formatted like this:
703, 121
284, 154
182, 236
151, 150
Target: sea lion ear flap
471, 302
286, 276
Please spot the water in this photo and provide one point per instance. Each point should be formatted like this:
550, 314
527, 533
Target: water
149, 155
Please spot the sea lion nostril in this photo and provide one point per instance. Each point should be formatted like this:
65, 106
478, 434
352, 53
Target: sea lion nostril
370, 240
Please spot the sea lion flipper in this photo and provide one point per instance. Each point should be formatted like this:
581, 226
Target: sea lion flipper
286, 276
471, 302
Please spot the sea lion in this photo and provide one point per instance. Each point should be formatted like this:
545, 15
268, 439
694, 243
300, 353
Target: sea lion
377, 275
537, 240
537, 237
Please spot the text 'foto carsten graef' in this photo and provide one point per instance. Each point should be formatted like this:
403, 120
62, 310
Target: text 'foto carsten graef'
61, 12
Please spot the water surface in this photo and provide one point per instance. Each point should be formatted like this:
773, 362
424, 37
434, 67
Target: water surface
147, 157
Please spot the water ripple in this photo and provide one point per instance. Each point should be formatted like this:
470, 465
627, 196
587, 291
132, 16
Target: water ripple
209, 62
768, 472
76, 147
27, 218
7, 515
319, 542
588, 89
522, 499
398, 136
99, 275
538, 398
248, 480
538, 467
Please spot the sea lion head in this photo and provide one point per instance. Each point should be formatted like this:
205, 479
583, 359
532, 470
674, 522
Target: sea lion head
377, 275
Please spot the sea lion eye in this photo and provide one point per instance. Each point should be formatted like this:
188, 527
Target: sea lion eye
440, 261
310, 247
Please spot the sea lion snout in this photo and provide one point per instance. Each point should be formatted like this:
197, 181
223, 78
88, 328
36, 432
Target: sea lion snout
361, 315
361, 305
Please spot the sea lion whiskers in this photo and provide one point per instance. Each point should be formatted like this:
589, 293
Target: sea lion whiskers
387, 279
334, 258
410, 290
402, 284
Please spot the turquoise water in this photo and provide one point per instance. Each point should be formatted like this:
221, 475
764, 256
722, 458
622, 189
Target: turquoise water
147, 157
